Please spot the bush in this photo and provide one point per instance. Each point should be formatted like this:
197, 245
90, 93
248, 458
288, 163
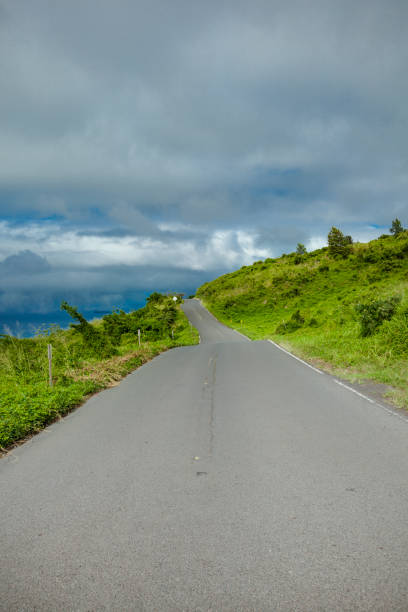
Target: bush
155, 321
394, 334
295, 322
95, 341
374, 313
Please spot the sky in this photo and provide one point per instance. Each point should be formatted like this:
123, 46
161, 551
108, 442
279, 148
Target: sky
154, 145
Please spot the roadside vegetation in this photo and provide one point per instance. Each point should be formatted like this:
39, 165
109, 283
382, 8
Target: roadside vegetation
86, 358
343, 307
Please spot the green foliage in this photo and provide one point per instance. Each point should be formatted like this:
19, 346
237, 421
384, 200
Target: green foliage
396, 227
295, 322
27, 408
339, 244
95, 341
394, 334
154, 298
374, 313
301, 249
157, 320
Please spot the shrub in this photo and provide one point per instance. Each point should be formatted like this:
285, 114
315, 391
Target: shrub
374, 313
295, 322
388, 266
394, 334
371, 256
155, 320
97, 343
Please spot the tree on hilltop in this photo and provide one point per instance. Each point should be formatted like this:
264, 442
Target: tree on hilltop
396, 227
339, 244
301, 249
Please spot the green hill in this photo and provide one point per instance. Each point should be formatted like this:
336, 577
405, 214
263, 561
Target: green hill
345, 311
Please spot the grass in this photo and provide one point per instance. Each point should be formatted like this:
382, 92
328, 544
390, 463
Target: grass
80, 366
315, 304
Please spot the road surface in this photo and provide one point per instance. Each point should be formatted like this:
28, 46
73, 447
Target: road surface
225, 476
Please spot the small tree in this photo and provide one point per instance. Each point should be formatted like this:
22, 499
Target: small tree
94, 339
396, 227
339, 244
301, 249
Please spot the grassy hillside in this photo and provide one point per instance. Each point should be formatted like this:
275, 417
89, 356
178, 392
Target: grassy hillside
86, 358
348, 312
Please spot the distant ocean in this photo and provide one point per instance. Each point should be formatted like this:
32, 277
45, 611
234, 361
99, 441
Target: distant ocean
26, 325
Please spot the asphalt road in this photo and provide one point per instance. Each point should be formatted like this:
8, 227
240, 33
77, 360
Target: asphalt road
226, 476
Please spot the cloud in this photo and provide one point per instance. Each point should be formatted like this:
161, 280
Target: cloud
200, 135
109, 269
25, 262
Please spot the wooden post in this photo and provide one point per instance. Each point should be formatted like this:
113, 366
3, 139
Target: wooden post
172, 333
138, 335
50, 364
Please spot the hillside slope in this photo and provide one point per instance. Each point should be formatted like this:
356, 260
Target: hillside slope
349, 314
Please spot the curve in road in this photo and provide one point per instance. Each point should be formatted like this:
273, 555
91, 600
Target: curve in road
210, 329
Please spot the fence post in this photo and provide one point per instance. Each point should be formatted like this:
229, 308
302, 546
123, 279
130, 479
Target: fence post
50, 365
138, 335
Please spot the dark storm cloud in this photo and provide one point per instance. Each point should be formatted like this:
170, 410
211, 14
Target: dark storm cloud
107, 287
110, 268
25, 262
211, 132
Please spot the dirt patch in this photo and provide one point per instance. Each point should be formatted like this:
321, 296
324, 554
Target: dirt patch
379, 392
373, 390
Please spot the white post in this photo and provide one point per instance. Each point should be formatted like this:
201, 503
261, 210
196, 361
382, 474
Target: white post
50, 364
138, 335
